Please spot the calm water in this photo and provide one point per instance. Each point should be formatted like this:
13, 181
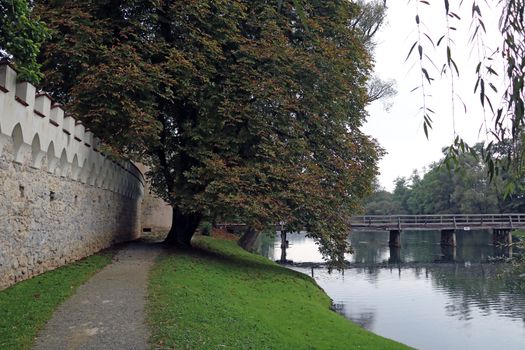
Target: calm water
421, 295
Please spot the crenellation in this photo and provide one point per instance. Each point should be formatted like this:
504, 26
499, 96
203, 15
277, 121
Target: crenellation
88, 138
25, 94
61, 199
43, 105
7, 78
79, 131
68, 125
56, 115
95, 144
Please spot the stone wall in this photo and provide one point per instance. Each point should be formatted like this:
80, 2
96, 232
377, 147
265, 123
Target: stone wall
156, 213
60, 198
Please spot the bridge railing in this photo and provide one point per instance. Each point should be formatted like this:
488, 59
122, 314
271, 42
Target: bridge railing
429, 222
510, 220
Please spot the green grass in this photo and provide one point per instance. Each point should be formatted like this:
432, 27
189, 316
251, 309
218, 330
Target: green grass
519, 234
25, 307
221, 297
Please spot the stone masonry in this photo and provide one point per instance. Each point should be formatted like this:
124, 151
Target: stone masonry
156, 213
60, 198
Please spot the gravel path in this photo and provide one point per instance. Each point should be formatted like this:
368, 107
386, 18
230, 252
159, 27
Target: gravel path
108, 311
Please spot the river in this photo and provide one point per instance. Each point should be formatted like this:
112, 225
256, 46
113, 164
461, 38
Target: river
421, 295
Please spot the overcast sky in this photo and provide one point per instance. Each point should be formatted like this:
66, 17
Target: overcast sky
400, 130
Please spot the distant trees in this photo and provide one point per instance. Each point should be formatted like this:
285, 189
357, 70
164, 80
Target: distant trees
466, 190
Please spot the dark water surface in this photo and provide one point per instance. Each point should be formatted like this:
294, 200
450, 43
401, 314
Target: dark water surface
422, 295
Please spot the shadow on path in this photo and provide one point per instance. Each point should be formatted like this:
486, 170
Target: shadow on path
107, 312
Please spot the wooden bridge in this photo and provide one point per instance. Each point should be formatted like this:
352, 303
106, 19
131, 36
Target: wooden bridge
438, 222
501, 225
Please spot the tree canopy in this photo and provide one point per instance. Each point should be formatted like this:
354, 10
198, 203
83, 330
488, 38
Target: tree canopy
21, 34
244, 110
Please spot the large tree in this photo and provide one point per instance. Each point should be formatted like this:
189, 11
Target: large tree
242, 109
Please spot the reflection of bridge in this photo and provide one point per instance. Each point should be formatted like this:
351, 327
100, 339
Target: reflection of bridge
500, 224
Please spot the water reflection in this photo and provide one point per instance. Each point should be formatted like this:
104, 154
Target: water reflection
372, 248
423, 294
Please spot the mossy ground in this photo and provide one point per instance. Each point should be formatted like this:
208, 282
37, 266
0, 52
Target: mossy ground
25, 307
221, 297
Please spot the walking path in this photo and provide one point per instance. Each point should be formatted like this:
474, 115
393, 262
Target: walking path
108, 311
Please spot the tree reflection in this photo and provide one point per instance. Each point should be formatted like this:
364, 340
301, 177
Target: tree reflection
481, 286
464, 274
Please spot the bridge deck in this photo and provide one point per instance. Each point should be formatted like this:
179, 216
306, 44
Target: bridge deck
438, 222
425, 222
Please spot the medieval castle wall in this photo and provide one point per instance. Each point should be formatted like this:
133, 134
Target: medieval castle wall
156, 214
60, 198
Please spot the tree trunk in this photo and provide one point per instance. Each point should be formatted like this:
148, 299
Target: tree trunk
249, 239
183, 227
284, 246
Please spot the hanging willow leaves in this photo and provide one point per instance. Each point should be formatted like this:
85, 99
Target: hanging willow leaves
508, 117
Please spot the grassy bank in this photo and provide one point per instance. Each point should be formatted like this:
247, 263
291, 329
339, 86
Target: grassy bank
519, 234
222, 297
25, 307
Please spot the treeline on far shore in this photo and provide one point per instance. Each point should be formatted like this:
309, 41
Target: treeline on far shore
465, 189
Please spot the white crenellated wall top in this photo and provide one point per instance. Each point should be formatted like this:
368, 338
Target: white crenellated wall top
38, 128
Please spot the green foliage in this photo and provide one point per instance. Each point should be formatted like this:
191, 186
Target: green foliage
205, 228
26, 307
519, 233
242, 109
464, 190
491, 71
381, 202
224, 297
21, 35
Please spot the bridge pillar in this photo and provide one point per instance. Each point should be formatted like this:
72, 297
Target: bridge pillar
284, 247
505, 251
395, 238
448, 253
395, 255
502, 236
448, 238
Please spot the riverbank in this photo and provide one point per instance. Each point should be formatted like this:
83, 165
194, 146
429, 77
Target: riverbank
28, 305
519, 234
219, 296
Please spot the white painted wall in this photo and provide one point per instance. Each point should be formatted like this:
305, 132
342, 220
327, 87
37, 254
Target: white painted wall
39, 128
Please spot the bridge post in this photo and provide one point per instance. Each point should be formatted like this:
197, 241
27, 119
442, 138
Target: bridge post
448, 253
395, 255
502, 236
395, 238
503, 251
284, 246
448, 238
